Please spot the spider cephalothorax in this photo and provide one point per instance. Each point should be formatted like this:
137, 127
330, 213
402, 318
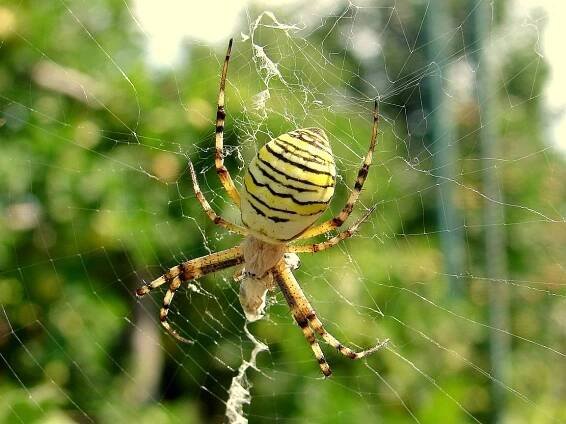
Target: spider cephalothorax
287, 187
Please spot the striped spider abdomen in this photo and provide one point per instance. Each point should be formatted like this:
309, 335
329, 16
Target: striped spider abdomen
288, 185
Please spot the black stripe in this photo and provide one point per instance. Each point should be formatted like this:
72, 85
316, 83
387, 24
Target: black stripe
299, 148
337, 221
220, 114
286, 195
261, 232
302, 323
315, 158
270, 166
323, 147
297, 164
183, 272
167, 277
364, 170
318, 139
275, 180
271, 218
206, 269
219, 129
362, 175
285, 290
300, 135
310, 158
261, 202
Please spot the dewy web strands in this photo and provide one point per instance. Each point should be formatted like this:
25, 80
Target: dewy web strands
97, 198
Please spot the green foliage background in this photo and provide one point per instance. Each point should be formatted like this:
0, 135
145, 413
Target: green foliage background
94, 198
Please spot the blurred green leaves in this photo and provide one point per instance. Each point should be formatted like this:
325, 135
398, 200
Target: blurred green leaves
95, 199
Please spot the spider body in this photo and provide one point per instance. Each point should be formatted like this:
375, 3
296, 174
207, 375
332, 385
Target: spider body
259, 258
287, 187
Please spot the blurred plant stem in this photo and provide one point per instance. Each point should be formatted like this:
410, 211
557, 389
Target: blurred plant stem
493, 212
444, 151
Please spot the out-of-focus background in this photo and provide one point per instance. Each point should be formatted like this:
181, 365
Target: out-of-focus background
462, 265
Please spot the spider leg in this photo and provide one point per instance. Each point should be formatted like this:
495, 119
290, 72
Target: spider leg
217, 219
300, 308
338, 220
222, 171
332, 341
175, 284
327, 244
187, 271
311, 339
305, 316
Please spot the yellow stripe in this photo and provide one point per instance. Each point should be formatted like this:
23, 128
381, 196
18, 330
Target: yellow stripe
313, 194
312, 138
272, 173
291, 170
275, 202
311, 148
292, 150
304, 164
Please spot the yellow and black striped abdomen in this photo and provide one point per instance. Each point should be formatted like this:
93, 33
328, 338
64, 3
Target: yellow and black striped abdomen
288, 185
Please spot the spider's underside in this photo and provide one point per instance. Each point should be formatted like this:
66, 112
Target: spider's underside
287, 187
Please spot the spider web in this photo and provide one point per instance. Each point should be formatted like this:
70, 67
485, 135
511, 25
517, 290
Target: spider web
97, 199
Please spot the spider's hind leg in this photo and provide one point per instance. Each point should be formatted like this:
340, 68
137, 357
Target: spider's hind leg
305, 317
311, 339
317, 326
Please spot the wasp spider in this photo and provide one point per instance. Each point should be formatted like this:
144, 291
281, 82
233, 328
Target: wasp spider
287, 186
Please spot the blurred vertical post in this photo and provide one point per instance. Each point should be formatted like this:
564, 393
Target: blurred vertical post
494, 213
444, 152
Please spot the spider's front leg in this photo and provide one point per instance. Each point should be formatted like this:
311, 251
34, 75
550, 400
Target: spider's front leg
222, 171
188, 271
327, 244
214, 217
339, 219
